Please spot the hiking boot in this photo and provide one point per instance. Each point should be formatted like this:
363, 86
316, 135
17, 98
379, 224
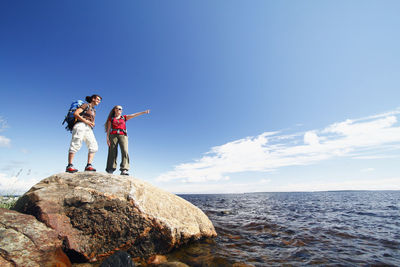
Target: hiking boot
124, 172
89, 168
70, 168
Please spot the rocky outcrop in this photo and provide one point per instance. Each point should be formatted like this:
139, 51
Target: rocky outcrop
96, 214
24, 241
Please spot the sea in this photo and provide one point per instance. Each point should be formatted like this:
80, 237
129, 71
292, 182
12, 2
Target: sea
341, 228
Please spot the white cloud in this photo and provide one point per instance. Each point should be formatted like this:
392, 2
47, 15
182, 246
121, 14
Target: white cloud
217, 187
14, 185
265, 181
272, 150
311, 138
3, 124
4, 141
383, 184
375, 157
266, 186
368, 170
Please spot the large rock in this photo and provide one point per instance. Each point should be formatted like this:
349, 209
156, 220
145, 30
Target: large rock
24, 241
96, 214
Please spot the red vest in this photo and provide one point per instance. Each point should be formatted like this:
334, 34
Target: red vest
118, 126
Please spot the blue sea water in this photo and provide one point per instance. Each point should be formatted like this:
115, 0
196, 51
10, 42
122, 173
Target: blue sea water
345, 228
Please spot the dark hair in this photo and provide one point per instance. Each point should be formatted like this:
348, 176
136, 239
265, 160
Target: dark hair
110, 115
89, 99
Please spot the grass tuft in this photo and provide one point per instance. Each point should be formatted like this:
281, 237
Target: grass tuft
7, 202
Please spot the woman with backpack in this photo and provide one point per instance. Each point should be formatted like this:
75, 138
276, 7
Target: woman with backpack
83, 131
115, 128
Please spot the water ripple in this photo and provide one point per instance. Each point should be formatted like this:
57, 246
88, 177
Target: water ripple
351, 228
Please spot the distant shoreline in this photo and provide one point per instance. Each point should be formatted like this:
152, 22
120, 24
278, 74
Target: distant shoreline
288, 192
264, 192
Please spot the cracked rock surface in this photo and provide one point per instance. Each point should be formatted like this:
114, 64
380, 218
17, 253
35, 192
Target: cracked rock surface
97, 214
24, 241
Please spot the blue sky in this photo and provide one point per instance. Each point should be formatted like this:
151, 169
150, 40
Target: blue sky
244, 95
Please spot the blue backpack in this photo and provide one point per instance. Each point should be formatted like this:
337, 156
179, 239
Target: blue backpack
70, 118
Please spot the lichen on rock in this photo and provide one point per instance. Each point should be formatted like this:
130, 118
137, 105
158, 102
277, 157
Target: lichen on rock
96, 214
24, 241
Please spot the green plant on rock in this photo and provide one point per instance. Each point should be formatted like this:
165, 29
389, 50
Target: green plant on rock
7, 202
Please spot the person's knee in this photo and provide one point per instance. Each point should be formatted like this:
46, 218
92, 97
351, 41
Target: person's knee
75, 146
73, 150
92, 143
93, 150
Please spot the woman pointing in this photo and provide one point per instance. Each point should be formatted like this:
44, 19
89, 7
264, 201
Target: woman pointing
115, 128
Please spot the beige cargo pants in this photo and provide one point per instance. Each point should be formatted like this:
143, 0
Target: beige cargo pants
122, 141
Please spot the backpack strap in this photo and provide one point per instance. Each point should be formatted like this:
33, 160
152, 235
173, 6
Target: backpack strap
122, 117
86, 109
118, 130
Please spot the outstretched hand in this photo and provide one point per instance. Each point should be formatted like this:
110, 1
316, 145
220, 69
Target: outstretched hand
128, 117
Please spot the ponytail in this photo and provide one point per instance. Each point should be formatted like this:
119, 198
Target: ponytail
90, 98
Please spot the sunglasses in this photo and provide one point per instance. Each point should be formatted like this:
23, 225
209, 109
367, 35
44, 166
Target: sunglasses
119, 108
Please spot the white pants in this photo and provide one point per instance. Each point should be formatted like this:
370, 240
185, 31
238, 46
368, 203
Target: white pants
83, 132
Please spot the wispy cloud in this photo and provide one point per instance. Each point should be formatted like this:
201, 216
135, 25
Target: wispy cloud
4, 141
273, 150
3, 124
268, 186
368, 170
219, 188
13, 165
349, 184
15, 185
